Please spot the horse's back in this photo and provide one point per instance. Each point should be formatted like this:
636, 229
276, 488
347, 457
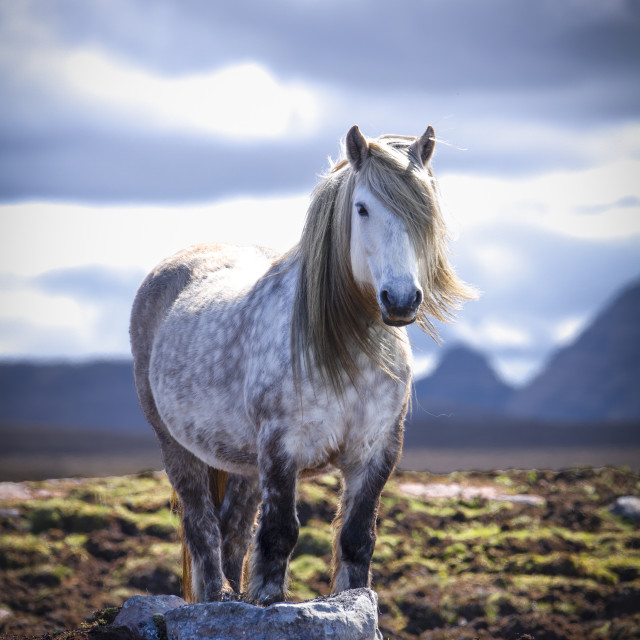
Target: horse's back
170, 280
172, 276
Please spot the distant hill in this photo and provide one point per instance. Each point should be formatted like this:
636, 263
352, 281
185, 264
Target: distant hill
463, 384
95, 394
595, 378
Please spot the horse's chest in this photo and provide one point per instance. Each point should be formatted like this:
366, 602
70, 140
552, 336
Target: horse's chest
348, 432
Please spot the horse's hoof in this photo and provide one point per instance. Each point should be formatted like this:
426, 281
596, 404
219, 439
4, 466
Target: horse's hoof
269, 600
268, 596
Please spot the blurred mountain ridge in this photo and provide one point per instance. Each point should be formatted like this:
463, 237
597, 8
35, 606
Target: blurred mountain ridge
596, 378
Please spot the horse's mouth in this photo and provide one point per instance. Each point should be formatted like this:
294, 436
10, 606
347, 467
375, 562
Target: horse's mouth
394, 321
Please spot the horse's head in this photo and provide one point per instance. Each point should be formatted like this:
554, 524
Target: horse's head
373, 247
384, 255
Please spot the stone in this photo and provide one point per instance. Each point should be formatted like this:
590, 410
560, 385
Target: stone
627, 507
349, 615
138, 613
455, 490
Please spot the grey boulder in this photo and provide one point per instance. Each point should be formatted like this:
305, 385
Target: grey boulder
627, 507
144, 615
349, 615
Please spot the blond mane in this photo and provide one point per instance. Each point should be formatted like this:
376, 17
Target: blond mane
333, 316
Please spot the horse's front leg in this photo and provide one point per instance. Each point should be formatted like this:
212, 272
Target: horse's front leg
278, 529
355, 523
237, 515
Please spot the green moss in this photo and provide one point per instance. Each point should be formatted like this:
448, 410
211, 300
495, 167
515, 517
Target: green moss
308, 567
161, 524
320, 490
504, 480
544, 583
565, 607
456, 550
597, 569
102, 618
169, 550
161, 626
491, 531
61, 572
305, 571
314, 539
388, 548
73, 516
47, 576
14, 546
76, 540
494, 603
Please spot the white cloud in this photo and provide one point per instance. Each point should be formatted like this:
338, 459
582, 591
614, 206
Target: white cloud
41, 309
241, 100
499, 264
423, 365
491, 334
37, 324
555, 201
517, 371
39, 236
568, 329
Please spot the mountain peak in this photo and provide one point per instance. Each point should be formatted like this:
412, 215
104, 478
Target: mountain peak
596, 377
461, 360
462, 383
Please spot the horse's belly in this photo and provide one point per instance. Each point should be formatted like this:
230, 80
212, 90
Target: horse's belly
197, 380
221, 442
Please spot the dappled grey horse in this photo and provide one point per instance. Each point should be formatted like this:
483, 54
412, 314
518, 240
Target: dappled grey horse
256, 369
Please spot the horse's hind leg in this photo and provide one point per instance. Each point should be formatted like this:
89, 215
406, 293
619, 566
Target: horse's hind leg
237, 516
190, 478
278, 530
355, 524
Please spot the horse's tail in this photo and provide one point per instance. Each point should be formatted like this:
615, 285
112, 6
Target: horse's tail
217, 488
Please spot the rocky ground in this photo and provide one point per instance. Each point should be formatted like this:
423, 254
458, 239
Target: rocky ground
458, 556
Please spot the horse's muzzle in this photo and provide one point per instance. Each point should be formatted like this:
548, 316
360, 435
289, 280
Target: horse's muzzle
399, 310
397, 322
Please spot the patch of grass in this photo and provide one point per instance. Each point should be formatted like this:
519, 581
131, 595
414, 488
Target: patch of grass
596, 568
387, 547
102, 618
305, 572
324, 490
308, 567
14, 548
76, 540
73, 516
314, 539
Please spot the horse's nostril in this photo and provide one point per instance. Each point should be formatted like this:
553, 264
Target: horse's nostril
418, 298
385, 298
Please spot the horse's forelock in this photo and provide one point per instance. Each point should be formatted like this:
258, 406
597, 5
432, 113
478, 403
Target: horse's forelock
332, 314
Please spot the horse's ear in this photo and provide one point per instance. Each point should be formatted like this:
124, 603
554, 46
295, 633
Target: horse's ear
357, 147
423, 147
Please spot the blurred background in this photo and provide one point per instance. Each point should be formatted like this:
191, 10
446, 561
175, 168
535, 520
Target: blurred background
130, 130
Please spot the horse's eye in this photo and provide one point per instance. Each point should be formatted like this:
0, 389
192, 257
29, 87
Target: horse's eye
361, 209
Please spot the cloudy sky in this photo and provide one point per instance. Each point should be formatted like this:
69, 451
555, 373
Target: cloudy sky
131, 129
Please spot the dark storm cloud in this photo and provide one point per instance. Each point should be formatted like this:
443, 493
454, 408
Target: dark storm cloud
146, 168
440, 45
513, 63
82, 164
